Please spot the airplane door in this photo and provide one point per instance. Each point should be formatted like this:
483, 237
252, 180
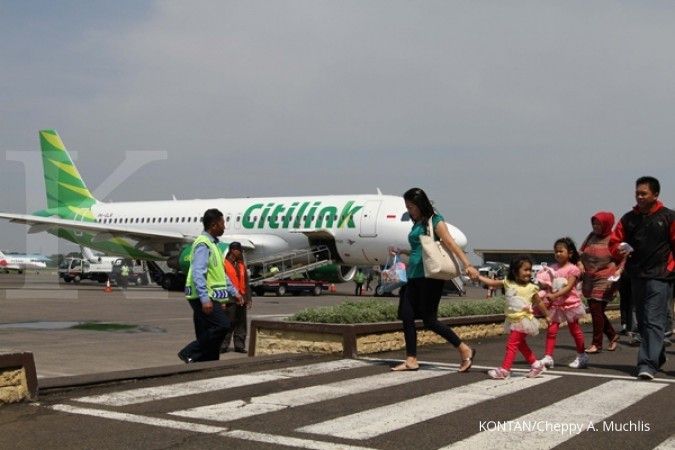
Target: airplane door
368, 222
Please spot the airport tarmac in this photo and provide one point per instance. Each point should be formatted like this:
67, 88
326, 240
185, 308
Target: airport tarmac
300, 401
37, 311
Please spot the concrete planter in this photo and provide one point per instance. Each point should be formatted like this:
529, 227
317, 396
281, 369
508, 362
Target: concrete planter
18, 379
269, 337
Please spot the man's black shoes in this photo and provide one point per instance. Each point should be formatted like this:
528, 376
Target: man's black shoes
185, 358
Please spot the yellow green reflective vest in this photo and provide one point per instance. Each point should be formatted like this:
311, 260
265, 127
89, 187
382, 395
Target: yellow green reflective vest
216, 280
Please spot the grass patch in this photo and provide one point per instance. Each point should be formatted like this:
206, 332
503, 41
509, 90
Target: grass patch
98, 326
370, 311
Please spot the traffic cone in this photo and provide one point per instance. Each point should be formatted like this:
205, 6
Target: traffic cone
107, 286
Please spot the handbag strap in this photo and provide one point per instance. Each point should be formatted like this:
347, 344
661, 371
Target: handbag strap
394, 260
430, 228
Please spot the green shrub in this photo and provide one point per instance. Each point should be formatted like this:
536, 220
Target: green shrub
369, 311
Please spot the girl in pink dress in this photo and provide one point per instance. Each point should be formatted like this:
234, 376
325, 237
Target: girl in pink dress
564, 303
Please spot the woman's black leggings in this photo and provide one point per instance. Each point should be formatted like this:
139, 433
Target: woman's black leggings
420, 300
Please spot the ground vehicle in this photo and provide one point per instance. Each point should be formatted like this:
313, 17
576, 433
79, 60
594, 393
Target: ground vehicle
295, 287
137, 271
100, 269
78, 269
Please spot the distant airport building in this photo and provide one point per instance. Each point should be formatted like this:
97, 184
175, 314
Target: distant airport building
506, 255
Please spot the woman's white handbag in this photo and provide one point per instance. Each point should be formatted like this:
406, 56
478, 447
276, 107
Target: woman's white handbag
439, 264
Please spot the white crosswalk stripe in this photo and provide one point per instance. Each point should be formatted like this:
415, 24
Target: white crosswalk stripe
239, 409
668, 444
135, 418
327, 428
377, 421
575, 413
288, 441
134, 396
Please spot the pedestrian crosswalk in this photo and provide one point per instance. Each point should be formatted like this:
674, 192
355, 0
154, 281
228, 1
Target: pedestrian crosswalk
134, 396
368, 404
579, 413
384, 419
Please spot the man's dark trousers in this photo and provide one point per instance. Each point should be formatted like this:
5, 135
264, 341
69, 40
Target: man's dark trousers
210, 331
237, 315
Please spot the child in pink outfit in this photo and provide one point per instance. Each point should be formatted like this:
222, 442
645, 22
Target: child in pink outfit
564, 302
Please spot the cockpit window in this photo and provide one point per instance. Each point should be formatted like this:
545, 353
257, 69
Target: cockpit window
405, 217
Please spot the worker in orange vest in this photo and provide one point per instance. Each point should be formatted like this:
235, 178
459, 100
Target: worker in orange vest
236, 312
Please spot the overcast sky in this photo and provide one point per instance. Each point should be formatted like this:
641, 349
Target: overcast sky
520, 119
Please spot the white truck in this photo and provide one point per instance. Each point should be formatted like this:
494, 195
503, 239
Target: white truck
101, 268
78, 269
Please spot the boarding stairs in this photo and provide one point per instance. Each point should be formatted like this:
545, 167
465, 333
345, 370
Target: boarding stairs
289, 264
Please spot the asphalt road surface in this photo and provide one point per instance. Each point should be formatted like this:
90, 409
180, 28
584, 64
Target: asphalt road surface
310, 401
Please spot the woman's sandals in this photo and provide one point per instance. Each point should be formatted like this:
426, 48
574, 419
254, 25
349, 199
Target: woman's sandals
467, 362
404, 367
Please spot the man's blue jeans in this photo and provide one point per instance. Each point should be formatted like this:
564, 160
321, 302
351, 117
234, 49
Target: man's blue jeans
651, 299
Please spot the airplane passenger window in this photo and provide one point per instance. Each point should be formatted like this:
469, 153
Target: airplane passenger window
182, 219
153, 219
238, 218
405, 217
227, 219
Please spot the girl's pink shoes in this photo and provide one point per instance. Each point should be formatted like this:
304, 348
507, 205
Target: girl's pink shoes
499, 373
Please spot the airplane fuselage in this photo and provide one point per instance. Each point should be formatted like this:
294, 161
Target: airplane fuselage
362, 227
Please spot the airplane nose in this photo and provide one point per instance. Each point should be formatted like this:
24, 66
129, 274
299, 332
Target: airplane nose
457, 235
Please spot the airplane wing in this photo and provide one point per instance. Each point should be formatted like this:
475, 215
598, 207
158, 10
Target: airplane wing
145, 238
141, 237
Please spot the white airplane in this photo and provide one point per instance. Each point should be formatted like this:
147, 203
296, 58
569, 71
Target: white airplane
357, 229
21, 262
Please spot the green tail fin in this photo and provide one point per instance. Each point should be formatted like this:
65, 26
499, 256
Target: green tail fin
67, 194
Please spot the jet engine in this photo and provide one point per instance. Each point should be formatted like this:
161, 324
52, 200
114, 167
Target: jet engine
333, 273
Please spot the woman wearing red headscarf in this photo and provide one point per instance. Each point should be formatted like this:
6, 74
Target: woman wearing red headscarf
597, 266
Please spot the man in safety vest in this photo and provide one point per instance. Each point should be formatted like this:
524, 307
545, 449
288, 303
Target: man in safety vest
238, 275
206, 288
124, 272
359, 279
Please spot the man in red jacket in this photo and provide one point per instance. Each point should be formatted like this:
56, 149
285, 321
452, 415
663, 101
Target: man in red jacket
646, 237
